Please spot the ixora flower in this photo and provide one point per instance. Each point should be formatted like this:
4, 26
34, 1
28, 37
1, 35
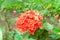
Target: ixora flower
29, 21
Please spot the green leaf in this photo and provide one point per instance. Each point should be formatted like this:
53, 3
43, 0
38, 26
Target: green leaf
48, 26
1, 35
31, 39
45, 12
12, 20
18, 36
22, 36
52, 19
55, 36
56, 30
2, 27
10, 35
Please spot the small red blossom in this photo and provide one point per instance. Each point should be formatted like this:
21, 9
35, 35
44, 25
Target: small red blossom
29, 21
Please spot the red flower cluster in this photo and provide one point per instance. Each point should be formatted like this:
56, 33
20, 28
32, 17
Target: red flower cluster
29, 21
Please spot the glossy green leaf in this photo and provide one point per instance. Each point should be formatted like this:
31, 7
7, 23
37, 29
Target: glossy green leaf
56, 30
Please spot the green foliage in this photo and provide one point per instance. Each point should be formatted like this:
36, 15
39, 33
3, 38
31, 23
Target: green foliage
48, 26
12, 20
10, 35
47, 8
1, 36
18, 36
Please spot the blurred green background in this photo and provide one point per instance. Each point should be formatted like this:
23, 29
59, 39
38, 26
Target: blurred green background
11, 9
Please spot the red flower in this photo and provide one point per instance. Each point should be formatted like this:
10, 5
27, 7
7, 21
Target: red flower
29, 21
